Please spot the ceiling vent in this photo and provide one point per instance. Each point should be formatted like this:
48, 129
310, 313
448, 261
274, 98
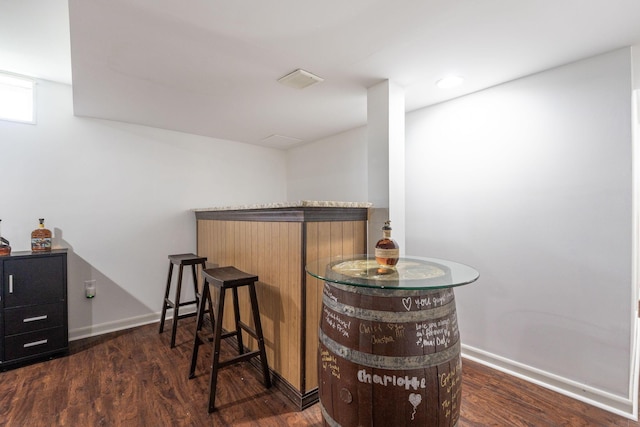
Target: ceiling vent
300, 79
280, 141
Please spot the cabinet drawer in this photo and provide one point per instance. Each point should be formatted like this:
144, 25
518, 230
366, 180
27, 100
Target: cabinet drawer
34, 343
33, 318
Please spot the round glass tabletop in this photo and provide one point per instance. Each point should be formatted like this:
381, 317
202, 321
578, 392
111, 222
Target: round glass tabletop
410, 272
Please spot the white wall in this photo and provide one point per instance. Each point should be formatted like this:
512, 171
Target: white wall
531, 183
332, 168
119, 197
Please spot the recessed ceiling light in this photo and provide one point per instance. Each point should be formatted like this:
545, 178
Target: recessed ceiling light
300, 79
449, 82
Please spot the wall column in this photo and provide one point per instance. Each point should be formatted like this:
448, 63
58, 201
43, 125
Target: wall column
385, 160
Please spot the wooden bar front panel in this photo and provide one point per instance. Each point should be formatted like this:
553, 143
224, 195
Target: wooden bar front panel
289, 299
324, 240
272, 251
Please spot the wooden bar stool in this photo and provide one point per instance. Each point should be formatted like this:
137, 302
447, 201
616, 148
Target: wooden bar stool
223, 278
180, 260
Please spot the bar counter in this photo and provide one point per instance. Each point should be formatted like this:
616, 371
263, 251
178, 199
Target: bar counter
275, 242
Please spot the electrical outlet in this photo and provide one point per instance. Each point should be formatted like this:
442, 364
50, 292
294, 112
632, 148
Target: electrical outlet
90, 288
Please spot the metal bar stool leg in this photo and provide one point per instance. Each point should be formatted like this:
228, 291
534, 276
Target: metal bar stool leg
194, 275
176, 308
166, 296
200, 295
205, 300
258, 327
195, 283
217, 337
236, 316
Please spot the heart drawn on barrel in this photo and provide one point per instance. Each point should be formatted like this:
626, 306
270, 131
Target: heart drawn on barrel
407, 303
415, 399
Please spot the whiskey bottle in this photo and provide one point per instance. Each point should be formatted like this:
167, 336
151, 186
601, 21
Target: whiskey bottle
41, 238
5, 249
387, 250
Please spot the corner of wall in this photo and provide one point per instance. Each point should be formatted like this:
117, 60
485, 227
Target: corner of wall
635, 67
635, 137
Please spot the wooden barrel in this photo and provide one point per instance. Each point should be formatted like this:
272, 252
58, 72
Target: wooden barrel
389, 357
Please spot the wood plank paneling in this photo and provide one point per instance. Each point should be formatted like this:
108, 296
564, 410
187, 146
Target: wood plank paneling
269, 251
325, 240
289, 299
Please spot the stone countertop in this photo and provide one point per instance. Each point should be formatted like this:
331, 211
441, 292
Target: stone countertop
296, 204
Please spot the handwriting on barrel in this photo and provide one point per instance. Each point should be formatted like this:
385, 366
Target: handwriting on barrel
406, 382
426, 302
382, 333
337, 322
439, 333
330, 362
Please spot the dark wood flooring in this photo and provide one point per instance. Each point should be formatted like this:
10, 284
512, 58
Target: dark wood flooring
133, 378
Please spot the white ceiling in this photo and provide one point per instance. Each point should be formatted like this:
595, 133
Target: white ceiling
210, 67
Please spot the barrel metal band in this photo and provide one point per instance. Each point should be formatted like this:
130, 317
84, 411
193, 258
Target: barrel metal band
389, 362
390, 291
390, 316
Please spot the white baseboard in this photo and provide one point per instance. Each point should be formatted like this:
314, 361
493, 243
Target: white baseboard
623, 406
119, 325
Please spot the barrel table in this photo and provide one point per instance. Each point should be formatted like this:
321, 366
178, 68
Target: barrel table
389, 345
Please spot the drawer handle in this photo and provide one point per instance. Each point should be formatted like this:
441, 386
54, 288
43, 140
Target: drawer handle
34, 319
11, 283
35, 343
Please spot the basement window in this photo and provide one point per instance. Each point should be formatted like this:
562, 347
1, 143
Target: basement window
17, 96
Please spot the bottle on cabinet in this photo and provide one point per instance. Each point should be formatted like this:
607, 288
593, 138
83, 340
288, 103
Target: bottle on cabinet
5, 249
41, 238
387, 250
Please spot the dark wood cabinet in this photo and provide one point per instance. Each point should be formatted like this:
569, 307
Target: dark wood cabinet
33, 306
